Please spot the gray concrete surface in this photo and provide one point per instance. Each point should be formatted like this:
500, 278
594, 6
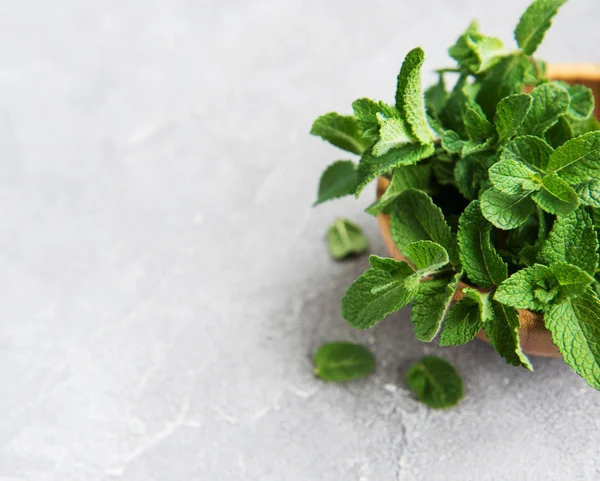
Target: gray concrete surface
164, 279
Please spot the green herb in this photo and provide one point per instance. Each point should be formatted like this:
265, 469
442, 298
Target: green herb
345, 239
493, 192
343, 361
435, 382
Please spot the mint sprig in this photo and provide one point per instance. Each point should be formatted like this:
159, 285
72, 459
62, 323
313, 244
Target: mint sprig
494, 191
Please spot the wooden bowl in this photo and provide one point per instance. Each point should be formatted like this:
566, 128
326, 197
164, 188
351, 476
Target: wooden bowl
536, 340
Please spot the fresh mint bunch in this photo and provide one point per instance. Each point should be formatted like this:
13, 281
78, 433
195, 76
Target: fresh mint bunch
493, 197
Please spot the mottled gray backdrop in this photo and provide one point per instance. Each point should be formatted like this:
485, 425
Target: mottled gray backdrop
164, 280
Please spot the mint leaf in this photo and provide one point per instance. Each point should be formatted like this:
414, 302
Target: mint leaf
503, 330
538, 286
550, 101
514, 178
477, 125
371, 167
482, 263
589, 193
409, 98
581, 106
377, 293
471, 174
338, 180
578, 160
476, 52
393, 133
341, 131
507, 77
572, 240
453, 113
561, 133
430, 305
535, 22
403, 178
529, 150
505, 211
583, 127
415, 217
556, 196
575, 328
345, 239
366, 110
343, 361
465, 319
436, 97
427, 256
435, 382
510, 114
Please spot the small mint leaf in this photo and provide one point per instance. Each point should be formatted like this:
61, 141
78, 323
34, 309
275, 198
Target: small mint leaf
338, 180
376, 294
530, 288
465, 319
409, 97
343, 361
561, 133
572, 281
340, 130
529, 150
581, 106
577, 160
556, 196
482, 263
431, 304
477, 125
512, 177
345, 239
589, 193
476, 52
366, 110
436, 97
535, 22
435, 382
510, 114
550, 101
415, 217
503, 331
506, 211
427, 256
471, 174
393, 133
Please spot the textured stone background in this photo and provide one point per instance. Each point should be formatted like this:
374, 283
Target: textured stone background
164, 280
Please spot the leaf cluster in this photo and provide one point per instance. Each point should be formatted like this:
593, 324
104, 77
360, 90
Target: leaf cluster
494, 183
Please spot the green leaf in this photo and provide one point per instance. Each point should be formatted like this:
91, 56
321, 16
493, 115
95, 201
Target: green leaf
435, 382
436, 97
431, 304
371, 167
377, 293
550, 101
505, 211
465, 319
482, 263
575, 328
535, 22
556, 196
512, 177
510, 114
572, 240
471, 174
539, 286
415, 217
477, 125
582, 102
366, 110
503, 330
338, 180
583, 127
578, 160
393, 133
453, 113
345, 239
476, 52
452, 143
528, 150
343, 361
561, 132
427, 256
409, 97
507, 77
340, 130
403, 178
